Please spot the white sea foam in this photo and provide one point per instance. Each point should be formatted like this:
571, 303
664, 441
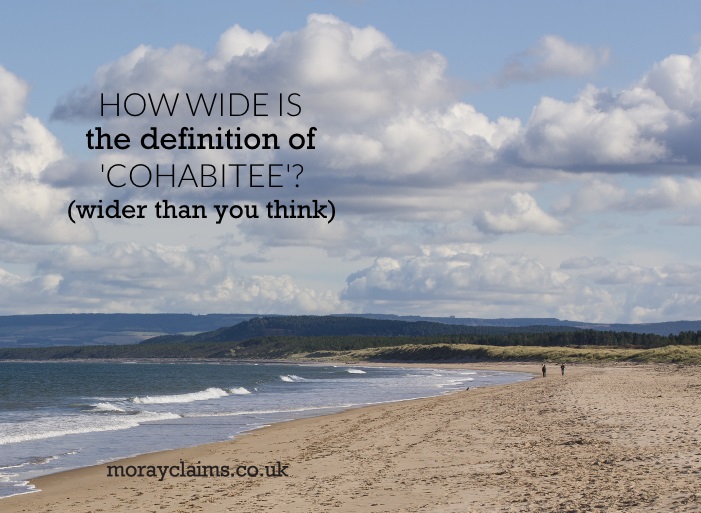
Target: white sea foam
28, 488
291, 378
34, 461
107, 408
262, 412
75, 424
107, 418
203, 395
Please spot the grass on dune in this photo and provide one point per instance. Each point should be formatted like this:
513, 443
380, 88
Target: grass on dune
474, 353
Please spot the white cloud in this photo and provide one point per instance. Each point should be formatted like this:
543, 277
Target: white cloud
520, 213
469, 281
237, 43
677, 80
583, 262
551, 57
130, 277
453, 274
408, 163
14, 93
265, 294
383, 115
654, 122
464, 281
595, 196
597, 130
388, 119
30, 210
664, 193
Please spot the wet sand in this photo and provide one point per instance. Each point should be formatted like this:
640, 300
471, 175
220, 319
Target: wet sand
605, 439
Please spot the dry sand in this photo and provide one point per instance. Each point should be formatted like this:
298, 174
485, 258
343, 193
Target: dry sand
600, 439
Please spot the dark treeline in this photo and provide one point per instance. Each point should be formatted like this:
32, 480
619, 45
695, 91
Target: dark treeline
309, 333
333, 326
283, 346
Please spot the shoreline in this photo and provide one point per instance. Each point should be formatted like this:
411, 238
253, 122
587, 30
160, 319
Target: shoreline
604, 436
122, 444
288, 362
184, 452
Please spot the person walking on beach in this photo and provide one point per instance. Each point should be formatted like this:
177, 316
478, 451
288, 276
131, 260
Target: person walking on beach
562, 369
543, 369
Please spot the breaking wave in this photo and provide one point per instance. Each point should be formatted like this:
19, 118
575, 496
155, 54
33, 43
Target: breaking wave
204, 395
291, 378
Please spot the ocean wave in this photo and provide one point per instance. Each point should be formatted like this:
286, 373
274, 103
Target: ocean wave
107, 408
263, 412
52, 427
291, 378
203, 395
455, 383
356, 371
239, 391
36, 460
28, 488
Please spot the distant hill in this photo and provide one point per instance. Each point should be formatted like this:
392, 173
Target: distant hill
333, 326
88, 329
110, 329
655, 328
546, 343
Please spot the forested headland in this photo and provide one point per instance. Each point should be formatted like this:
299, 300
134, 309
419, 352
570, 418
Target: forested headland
282, 337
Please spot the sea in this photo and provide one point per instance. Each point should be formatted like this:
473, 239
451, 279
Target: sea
57, 416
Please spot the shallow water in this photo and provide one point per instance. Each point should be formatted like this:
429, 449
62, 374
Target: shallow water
59, 416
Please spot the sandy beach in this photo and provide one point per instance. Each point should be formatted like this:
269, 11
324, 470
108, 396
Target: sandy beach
616, 438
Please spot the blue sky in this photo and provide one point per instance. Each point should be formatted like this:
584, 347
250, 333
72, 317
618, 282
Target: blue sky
488, 159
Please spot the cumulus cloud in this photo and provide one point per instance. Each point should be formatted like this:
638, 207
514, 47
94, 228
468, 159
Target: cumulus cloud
664, 193
552, 56
408, 163
14, 94
583, 262
469, 281
236, 43
131, 277
454, 274
677, 80
390, 119
22, 294
384, 116
338, 69
597, 130
30, 210
266, 294
520, 213
656, 121
473, 282
595, 196
650, 293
